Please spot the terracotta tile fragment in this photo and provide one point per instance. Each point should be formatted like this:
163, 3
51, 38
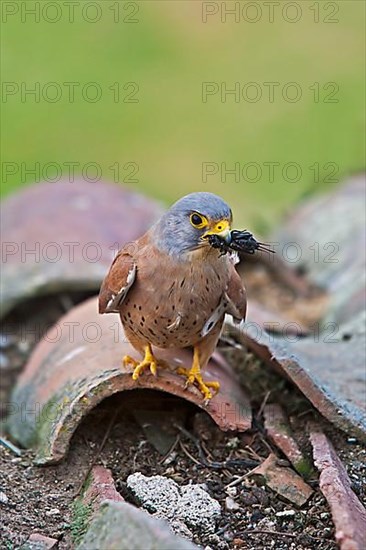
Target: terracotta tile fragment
37, 541
284, 481
349, 516
69, 374
316, 366
100, 487
119, 525
279, 430
68, 238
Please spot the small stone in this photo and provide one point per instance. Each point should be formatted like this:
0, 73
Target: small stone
261, 495
3, 498
53, 512
231, 505
233, 443
285, 513
266, 523
256, 516
216, 542
228, 536
232, 491
248, 499
170, 459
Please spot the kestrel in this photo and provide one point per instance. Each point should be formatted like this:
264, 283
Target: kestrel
173, 289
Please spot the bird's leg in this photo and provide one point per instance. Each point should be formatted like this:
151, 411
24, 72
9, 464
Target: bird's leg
194, 376
149, 361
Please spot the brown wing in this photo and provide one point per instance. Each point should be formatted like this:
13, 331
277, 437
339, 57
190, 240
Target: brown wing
236, 295
117, 283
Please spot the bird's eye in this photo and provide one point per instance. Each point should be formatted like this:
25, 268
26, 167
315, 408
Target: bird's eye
197, 220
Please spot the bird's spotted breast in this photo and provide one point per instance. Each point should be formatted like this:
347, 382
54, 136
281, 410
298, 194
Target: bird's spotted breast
174, 311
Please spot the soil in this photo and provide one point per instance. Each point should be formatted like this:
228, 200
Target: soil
180, 442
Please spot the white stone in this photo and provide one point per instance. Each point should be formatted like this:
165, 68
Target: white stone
163, 497
231, 505
285, 513
53, 512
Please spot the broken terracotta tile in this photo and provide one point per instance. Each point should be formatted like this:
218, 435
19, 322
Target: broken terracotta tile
273, 320
283, 481
67, 240
328, 366
121, 526
100, 487
349, 516
279, 430
278, 268
79, 363
329, 232
317, 368
37, 541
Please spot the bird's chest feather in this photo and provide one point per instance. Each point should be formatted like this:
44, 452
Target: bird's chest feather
170, 305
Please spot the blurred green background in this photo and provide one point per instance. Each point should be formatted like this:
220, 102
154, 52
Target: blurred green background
162, 140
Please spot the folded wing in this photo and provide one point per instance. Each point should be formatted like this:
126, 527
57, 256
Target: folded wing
117, 283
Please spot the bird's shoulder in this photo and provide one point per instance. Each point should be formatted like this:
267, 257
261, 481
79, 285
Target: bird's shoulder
120, 277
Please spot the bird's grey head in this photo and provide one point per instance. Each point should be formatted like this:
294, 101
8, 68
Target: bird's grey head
184, 226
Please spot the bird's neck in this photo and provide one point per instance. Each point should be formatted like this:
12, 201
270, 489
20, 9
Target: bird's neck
203, 254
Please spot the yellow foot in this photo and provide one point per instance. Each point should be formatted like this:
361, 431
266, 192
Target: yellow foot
149, 361
195, 378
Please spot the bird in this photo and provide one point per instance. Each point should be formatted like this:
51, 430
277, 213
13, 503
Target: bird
172, 289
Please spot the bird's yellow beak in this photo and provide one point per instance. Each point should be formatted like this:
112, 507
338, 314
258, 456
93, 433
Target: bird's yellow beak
221, 228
